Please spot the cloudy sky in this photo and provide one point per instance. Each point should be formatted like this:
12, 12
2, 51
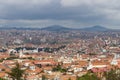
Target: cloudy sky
69, 13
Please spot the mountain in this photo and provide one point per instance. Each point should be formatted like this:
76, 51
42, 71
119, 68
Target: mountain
18, 28
61, 28
56, 28
95, 28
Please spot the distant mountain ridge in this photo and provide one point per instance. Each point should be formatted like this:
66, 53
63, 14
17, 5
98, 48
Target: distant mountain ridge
56, 28
61, 28
95, 28
18, 28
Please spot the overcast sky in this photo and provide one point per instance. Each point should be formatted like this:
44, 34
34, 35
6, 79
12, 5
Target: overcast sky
69, 13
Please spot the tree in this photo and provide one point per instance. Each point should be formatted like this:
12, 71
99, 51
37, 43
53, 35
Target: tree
88, 76
69, 79
112, 74
16, 73
2, 79
44, 77
59, 68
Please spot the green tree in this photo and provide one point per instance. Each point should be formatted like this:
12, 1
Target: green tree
44, 77
16, 73
59, 68
2, 79
69, 79
88, 76
112, 74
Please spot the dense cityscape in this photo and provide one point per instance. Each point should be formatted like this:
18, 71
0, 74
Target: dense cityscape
59, 55
59, 39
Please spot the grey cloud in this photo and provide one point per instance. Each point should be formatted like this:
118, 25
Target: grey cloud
48, 12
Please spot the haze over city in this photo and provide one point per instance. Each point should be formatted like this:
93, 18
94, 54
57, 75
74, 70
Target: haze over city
69, 13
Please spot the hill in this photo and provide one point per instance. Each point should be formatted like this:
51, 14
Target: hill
95, 28
56, 28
